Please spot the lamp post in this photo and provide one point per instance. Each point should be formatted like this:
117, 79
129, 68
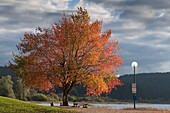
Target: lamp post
134, 66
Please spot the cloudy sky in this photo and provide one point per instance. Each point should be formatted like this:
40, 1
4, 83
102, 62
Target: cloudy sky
141, 26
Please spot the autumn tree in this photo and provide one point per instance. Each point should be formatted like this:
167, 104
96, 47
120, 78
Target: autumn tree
72, 52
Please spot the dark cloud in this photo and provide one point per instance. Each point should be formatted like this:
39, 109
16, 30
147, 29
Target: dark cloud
150, 59
136, 10
155, 4
18, 17
143, 32
8, 42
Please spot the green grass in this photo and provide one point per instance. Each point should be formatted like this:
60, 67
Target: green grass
8, 105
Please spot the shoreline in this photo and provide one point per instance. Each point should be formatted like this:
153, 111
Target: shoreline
118, 102
111, 110
93, 103
106, 109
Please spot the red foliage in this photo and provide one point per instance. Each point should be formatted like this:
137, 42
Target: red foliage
75, 51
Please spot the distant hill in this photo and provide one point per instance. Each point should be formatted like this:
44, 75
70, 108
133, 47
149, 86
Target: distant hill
151, 87
4, 71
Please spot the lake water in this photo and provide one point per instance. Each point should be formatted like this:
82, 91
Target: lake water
123, 106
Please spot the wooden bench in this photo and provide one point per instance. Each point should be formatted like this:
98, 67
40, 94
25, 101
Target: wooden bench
85, 105
75, 104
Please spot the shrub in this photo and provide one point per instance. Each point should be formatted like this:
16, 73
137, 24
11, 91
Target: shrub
84, 99
39, 97
53, 96
71, 98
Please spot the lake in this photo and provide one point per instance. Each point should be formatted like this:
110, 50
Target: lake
140, 105
122, 106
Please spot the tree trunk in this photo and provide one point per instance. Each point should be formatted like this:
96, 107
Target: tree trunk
66, 91
65, 98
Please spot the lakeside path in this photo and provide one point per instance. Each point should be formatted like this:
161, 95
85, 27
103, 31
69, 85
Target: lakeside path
110, 110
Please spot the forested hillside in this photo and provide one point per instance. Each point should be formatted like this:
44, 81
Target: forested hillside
4, 71
151, 87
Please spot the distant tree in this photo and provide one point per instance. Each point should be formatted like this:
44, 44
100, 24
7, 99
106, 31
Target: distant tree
21, 92
6, 87
70, 53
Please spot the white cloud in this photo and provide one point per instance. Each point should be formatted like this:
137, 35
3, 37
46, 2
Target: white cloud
7, 2
19, 30
40, 5
3, 18
57, 5
160, 13
132, 25
96, 11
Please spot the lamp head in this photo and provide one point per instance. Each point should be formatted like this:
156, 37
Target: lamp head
134, 64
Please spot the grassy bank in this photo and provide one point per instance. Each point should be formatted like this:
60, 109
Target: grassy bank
8, 105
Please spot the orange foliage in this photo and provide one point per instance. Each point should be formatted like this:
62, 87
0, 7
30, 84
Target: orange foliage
75, 51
